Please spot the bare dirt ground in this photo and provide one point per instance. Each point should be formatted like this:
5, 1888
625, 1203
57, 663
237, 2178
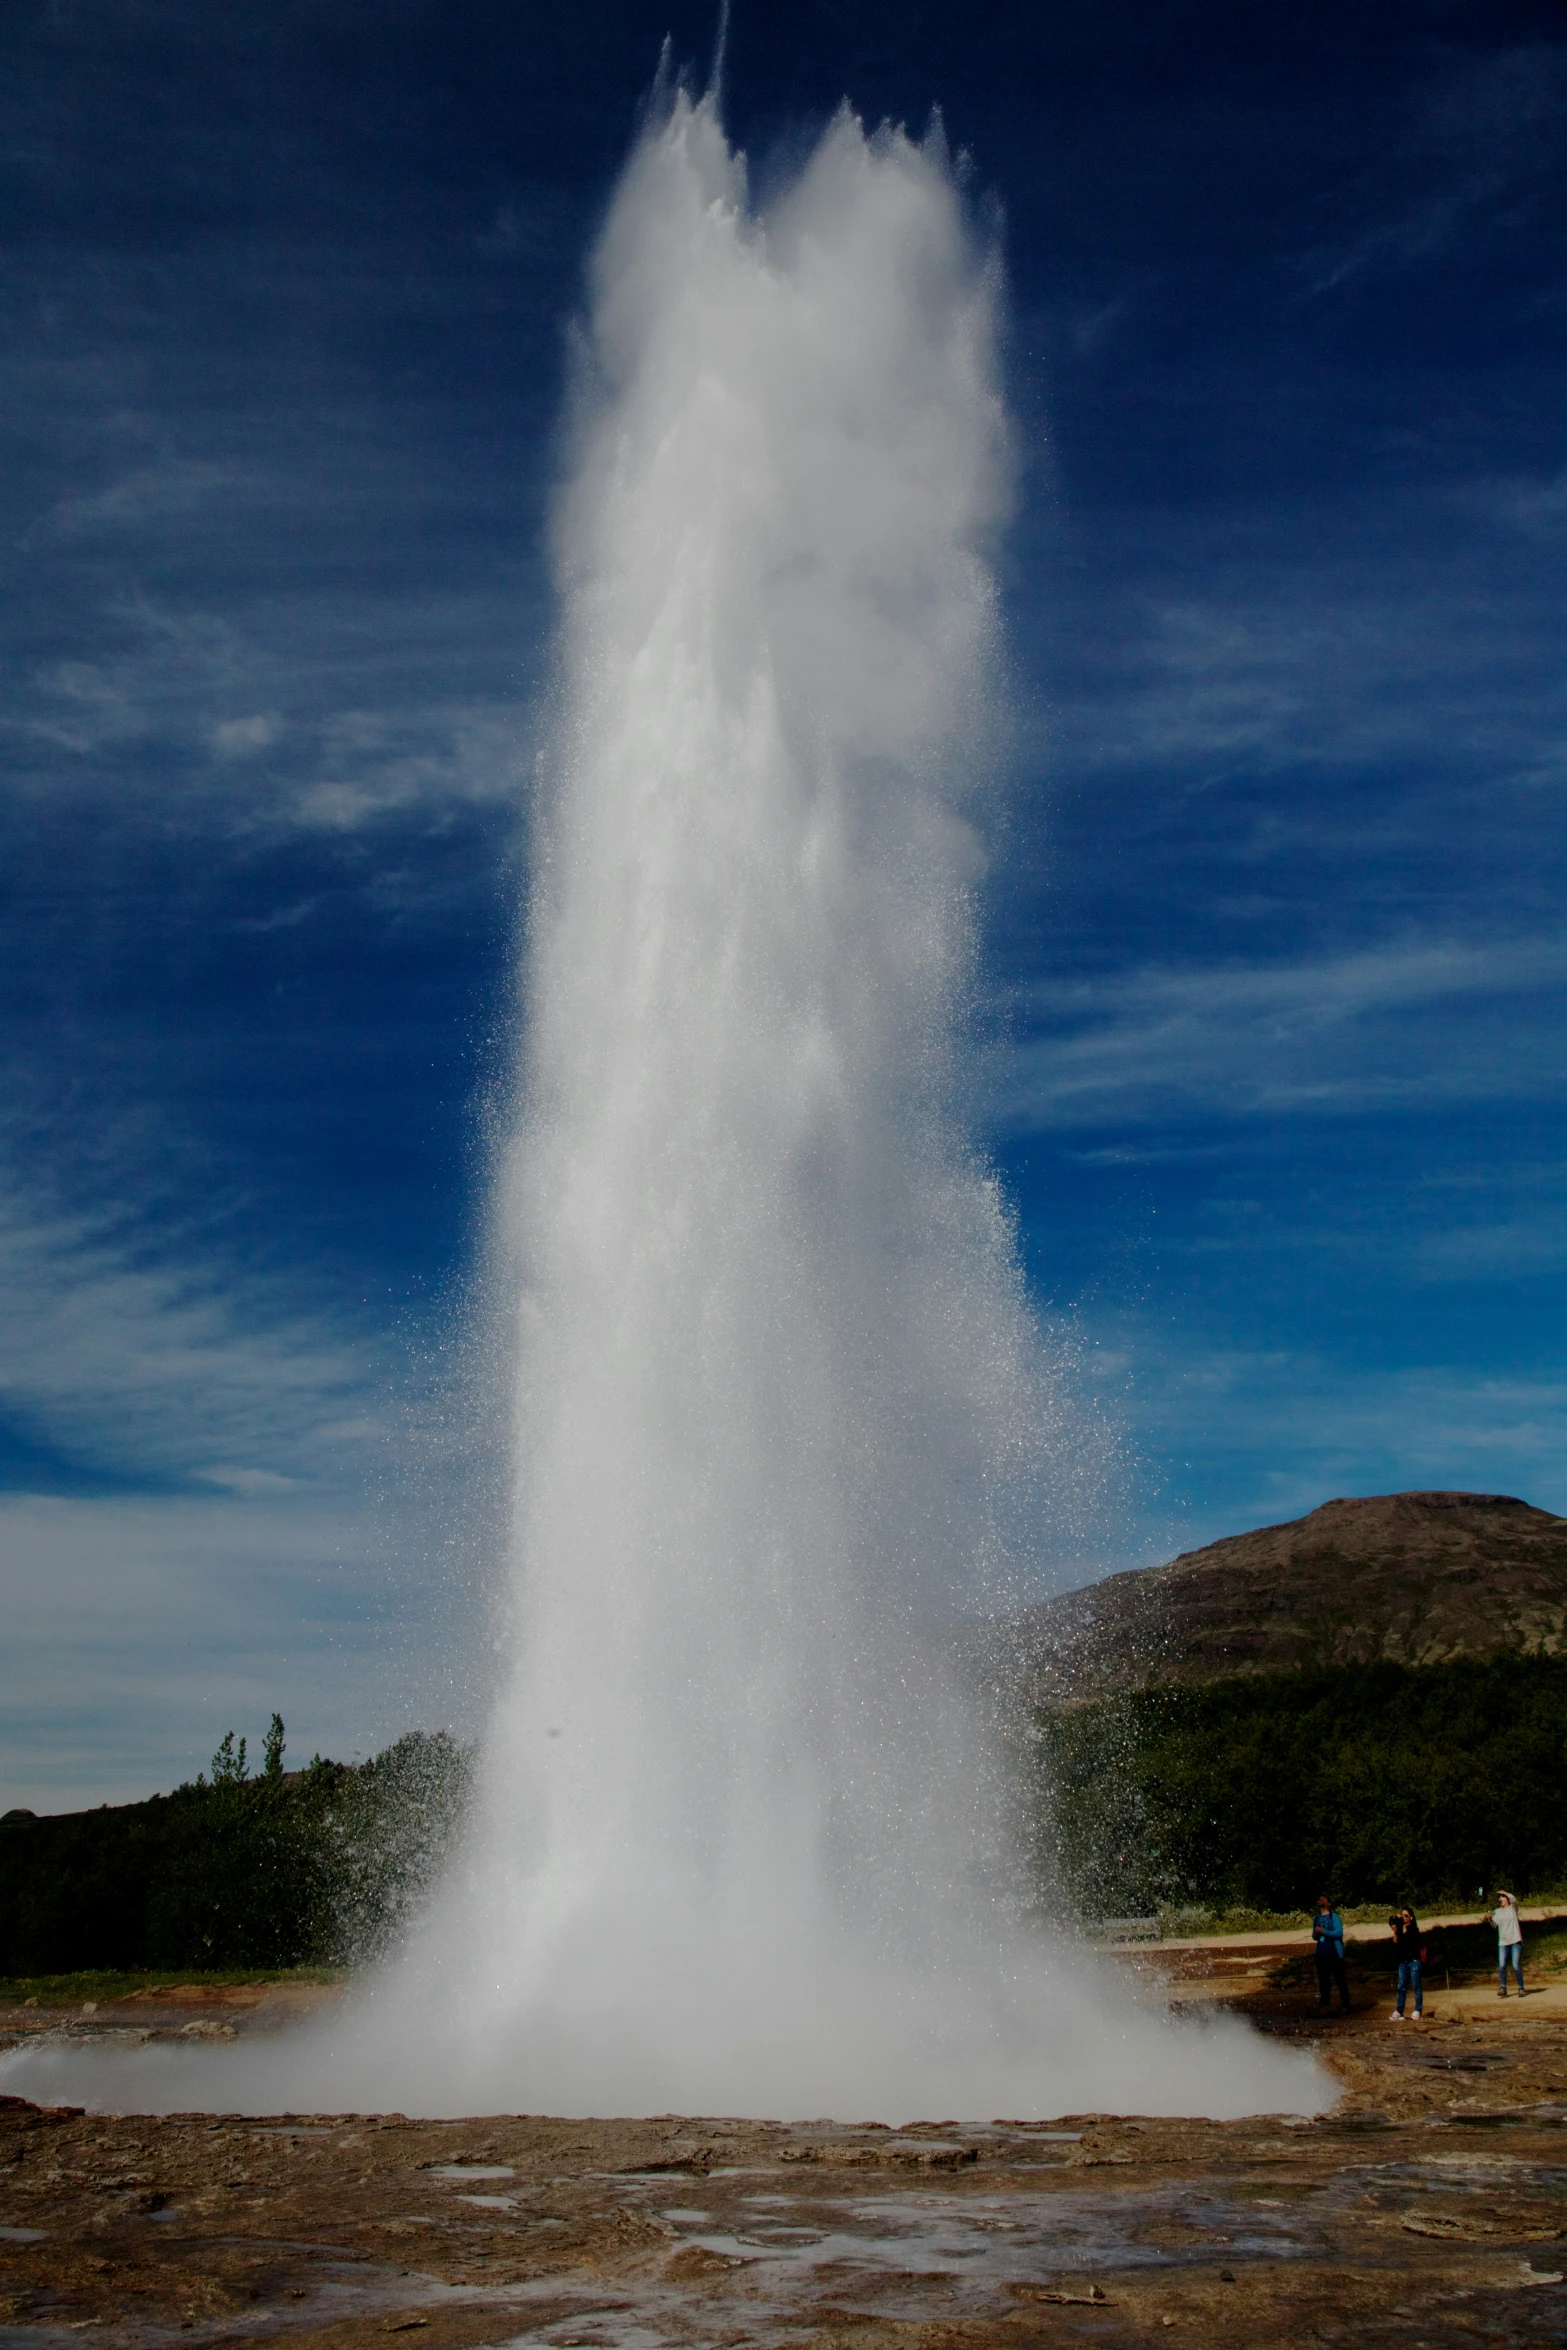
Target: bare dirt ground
1428, 2207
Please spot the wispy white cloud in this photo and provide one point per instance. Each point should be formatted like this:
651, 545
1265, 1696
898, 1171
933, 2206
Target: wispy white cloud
1317, 669
1482, 136
372, 764
166, 490
1499, 1250
232, 1480
1312, 1038
145, 1333
1523, 502
240, 738
230, 735
1426, 1242
243, 1498
147, 671
139, 1629
1498, 1221
1202, 679
83, 706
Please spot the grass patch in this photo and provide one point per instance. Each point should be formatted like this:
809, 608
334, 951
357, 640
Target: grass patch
105, 1983
1177, 1922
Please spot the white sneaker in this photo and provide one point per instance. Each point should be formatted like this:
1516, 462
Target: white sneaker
1397, 2016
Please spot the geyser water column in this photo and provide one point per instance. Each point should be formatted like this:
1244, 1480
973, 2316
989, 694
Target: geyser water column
780, 1401
780, 1407
776, 1383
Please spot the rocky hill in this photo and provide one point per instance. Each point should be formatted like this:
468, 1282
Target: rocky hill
1417, 1578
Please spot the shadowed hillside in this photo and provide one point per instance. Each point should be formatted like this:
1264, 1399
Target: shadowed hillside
1400, 1578
1372, 1698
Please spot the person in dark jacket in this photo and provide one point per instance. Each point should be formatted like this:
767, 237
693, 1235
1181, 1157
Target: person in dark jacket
1409, 1951
1327, 1934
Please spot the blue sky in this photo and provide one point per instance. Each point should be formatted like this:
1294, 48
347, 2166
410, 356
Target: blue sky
1271, 1042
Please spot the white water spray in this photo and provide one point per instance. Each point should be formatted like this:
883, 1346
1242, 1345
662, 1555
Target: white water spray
739, 1845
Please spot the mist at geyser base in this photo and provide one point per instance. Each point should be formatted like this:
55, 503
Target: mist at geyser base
740, 1843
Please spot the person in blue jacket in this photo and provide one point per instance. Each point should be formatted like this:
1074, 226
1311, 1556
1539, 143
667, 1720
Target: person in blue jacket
1327, 1934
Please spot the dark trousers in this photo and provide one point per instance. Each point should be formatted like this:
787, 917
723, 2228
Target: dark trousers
1330, 1970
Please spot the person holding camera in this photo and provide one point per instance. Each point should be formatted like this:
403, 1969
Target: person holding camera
1409, 1952
1509, 1943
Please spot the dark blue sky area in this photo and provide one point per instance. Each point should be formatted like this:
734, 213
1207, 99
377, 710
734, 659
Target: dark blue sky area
1274, 951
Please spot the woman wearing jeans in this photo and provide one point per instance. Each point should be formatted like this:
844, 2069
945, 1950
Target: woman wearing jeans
1410, 1953
1509, 1943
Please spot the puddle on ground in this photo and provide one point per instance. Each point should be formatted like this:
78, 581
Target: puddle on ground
1457, 2060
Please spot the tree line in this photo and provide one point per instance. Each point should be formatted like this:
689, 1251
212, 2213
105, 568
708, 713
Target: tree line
1368, 1782
281, 1868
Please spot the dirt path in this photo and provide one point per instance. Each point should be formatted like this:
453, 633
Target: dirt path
1299, 1938
1240, 1970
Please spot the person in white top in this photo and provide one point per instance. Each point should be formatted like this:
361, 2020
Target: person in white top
1509, 1943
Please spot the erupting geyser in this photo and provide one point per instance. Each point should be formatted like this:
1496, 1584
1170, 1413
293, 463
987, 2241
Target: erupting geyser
739, 1844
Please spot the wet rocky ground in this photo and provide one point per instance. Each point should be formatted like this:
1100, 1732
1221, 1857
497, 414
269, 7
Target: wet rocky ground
1428, 2207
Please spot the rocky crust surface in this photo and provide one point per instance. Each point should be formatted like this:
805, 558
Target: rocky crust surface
1426, 2208
1415, 1578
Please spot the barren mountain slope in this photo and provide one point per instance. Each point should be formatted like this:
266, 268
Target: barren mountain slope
1414, 1577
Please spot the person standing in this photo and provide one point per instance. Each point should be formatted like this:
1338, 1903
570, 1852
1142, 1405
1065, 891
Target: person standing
1327, 1934
1410, 1952
1509, 1943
